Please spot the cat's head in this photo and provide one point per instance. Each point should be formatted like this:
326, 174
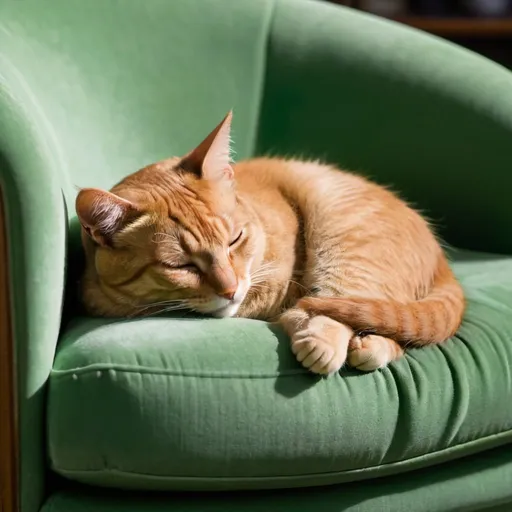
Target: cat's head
171, 236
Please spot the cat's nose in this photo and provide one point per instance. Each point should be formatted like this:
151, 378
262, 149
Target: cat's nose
228, 294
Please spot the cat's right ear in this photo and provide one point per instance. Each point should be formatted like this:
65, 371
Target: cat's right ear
102, 214
211, 159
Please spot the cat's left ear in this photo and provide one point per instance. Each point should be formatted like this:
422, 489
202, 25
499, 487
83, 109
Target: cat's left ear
211, 159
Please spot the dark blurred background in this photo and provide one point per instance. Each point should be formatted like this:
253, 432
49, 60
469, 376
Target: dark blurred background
484, 26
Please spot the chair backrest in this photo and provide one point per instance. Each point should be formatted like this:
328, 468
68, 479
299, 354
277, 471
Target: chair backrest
427, 117
116, 85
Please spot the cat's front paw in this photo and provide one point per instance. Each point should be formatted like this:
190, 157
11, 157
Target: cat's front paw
322, 345
372, 352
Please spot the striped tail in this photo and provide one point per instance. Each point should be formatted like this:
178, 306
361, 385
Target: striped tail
432, 319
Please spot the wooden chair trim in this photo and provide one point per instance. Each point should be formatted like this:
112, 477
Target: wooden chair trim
9, 446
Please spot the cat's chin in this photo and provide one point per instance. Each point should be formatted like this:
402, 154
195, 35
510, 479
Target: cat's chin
218, 307
223, 308
227, 311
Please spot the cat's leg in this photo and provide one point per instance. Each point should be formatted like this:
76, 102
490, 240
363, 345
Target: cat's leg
368, 353
319, 343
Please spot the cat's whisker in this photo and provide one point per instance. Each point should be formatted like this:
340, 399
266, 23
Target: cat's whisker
162, 304
191, 309
168, 309
261, 278
269, 265
266, 264
262, 273
258, 286
143, 307
298, 284
259, 282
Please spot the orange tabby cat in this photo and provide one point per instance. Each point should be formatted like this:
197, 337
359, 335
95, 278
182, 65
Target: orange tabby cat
348, 269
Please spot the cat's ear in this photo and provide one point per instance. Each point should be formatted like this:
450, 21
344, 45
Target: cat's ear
102, 214
211, 159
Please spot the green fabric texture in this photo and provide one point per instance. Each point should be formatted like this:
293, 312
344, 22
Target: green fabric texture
183, 403
480, 482
406, 109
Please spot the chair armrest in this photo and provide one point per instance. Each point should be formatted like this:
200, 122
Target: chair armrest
408, 109
35, 226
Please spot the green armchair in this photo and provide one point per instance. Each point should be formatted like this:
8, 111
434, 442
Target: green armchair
95, 413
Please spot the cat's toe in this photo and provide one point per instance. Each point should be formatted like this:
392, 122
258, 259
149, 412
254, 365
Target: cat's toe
309, 349
322, 346
369, 353
327, 364
317, 355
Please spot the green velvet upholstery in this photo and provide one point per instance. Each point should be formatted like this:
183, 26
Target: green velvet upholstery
90, 91
222, 404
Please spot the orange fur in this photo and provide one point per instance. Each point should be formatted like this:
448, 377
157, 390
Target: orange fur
326, 253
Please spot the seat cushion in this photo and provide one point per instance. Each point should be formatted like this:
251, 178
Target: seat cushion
188, 403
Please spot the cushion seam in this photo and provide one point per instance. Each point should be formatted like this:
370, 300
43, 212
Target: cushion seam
94, 368
418, 458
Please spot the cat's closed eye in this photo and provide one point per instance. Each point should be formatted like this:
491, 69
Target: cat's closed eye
189, 267
236, 239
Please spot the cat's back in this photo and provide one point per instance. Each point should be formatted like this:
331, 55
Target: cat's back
281, 172
310, 183
344, 200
